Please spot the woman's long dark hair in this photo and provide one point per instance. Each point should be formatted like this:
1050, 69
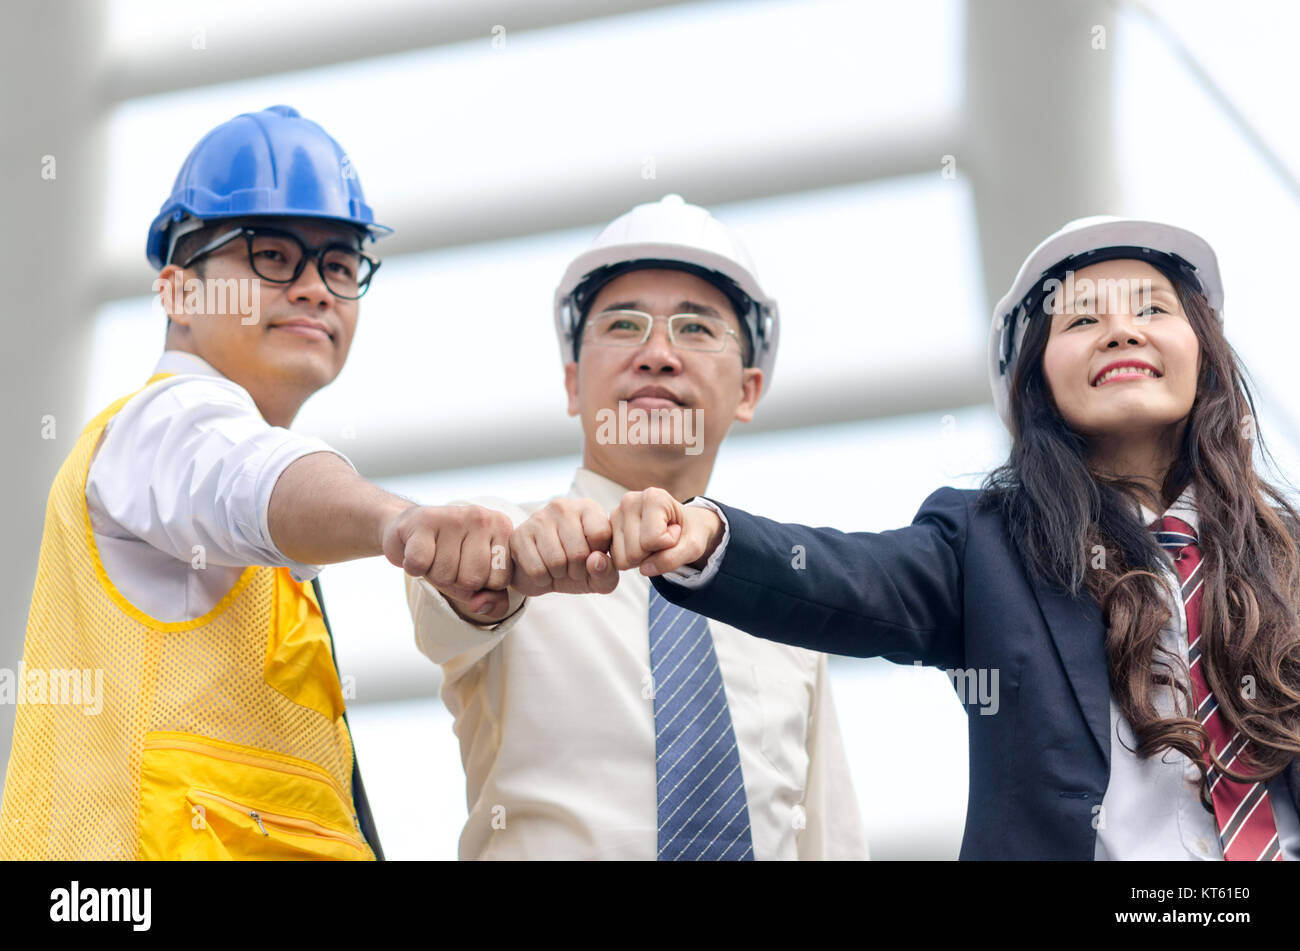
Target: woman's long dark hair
1247, 531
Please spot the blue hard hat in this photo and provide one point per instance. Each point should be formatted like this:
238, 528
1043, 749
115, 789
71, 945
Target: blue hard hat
272, 162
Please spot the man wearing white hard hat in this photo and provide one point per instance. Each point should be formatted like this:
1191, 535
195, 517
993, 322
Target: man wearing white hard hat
1127, 574
617, 726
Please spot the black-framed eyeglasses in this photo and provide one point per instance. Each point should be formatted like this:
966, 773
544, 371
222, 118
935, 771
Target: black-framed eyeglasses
278, 257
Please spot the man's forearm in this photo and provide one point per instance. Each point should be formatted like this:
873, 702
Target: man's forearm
322, 512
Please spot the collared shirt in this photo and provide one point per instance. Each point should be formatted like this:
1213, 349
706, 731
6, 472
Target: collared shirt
1152, 808
179, 489
556, 724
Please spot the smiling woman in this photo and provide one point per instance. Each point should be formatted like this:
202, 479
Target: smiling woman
1123, 371
1140, 397
1150, 706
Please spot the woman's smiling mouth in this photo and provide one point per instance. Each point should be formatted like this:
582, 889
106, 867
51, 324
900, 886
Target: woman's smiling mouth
1126, 371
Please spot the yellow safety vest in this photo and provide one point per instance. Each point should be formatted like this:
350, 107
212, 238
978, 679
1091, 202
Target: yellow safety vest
220, 737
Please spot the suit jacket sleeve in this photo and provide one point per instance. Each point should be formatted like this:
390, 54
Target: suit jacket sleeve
896, 594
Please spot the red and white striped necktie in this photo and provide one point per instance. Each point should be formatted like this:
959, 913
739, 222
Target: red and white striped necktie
1247, 831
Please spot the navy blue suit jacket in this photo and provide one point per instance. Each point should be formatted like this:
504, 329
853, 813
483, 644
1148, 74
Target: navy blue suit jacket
951, 591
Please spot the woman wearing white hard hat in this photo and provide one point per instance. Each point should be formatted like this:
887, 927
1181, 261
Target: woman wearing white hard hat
1126, 574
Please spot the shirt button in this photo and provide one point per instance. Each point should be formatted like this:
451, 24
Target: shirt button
1202, 846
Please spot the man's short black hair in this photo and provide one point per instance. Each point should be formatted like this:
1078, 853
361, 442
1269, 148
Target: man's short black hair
191, 242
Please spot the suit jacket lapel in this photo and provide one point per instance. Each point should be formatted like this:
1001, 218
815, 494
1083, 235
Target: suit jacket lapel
1292, 775
1076, 627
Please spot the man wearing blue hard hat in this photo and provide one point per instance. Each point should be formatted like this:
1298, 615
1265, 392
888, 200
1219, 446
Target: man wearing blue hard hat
182, 527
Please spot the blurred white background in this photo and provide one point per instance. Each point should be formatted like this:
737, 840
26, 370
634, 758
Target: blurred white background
819, 129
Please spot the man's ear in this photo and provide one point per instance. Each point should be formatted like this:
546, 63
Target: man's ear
169, 285
751, 387
571, 386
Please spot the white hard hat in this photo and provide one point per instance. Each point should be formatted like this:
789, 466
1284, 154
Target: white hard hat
670, 233
1078, 244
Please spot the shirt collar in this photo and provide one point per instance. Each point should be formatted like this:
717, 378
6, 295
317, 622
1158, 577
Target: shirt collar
1184, 507
178, 361
607, 492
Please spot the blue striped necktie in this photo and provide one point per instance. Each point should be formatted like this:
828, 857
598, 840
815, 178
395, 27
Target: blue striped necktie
703, 813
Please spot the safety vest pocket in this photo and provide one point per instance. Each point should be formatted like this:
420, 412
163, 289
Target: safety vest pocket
299, 661
202, 798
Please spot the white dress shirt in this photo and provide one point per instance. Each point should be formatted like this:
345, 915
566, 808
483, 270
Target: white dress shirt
179, 488
1152, 807
556, 724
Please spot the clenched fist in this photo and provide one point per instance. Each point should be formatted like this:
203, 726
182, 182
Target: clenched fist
462, 550
562, 547
656, 533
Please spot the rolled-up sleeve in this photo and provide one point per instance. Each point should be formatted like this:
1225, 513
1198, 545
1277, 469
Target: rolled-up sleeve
189, 466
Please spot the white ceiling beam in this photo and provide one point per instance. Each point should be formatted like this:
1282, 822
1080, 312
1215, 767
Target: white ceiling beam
1038, 142
282, 40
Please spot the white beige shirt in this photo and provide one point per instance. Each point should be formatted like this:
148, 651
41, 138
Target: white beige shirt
556, 725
